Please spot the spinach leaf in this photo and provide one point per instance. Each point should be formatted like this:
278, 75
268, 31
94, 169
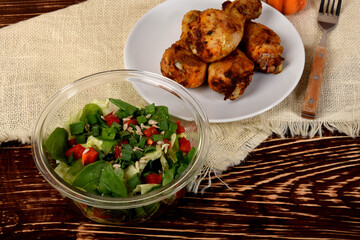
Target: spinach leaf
111, 182
77, 127
108, 133
73, 171
168, 176
90, 109
56, 143
89, 177
69, 173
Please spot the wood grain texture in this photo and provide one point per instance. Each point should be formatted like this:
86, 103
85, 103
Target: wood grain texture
13, 11
287, 189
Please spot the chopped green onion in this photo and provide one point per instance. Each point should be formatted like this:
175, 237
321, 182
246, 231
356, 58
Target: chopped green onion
142, 141
116, 126
190, 155
139, 154
127, 155
127, 147
70, 160
179, 155
162, 109
95, 130
172, 127
81, 138
133, 140
150, 109
141, 119
149, 149
128, 108
157, 137
121, 114
124, 134
181, 169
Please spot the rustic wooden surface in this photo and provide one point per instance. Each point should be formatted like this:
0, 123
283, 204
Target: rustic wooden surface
13, 11
289, 188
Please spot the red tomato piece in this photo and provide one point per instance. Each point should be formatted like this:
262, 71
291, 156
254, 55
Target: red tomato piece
149, 141
111, 118
167, 142
180, 129
100, 213
132, 121
118, 148
153, 178
90, 156
185, 145
77, 150
124, 141
71, 142
150, 131
118, 151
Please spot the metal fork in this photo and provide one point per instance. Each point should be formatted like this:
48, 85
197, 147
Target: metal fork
327, 19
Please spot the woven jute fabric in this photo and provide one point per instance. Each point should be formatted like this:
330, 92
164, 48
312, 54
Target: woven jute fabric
41, 55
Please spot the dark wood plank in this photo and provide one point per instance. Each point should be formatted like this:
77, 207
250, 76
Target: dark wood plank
304, 188
13, 11
287, 189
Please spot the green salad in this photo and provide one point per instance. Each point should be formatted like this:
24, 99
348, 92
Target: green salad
125, 152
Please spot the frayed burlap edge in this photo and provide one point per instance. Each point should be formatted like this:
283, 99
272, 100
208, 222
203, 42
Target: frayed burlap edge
262, 130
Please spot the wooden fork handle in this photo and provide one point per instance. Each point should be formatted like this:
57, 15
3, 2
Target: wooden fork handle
312, 94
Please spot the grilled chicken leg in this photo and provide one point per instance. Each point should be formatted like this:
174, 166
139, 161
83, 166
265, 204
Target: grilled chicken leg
262, 45
181, 65
231, 75
210, 34
248, 9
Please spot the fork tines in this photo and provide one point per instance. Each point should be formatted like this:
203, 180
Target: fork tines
331, 12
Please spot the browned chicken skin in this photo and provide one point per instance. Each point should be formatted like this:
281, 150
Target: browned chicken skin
262, 45
210, 34
210, 49
250, 9
231, 75
181, 65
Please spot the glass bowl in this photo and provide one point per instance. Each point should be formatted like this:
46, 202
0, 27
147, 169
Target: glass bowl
124, 85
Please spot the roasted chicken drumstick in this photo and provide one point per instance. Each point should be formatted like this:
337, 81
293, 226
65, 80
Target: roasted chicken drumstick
231, 75
210, 34
181, 65
262, 45
243, 10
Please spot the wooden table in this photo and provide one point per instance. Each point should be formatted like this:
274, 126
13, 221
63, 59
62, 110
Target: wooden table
289, 188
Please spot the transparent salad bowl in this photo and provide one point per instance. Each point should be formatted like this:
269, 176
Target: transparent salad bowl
139, 89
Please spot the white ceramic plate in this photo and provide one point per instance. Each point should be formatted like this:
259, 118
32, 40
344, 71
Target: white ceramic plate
161, 27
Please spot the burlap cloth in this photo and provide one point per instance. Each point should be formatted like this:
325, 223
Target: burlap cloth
41, 55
